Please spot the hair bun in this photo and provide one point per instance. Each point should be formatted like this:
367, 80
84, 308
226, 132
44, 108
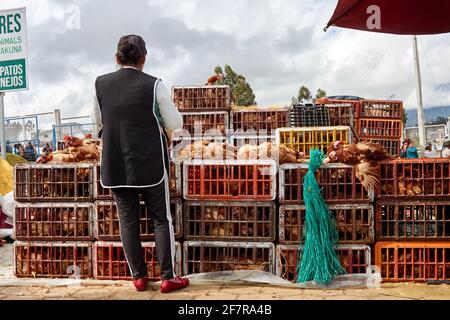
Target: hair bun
130, 50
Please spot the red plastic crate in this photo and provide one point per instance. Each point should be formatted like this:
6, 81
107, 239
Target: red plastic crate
202, 98
259, 120
342, 112
55, 182
380, 109
52, 260
413, 261
338, 183
354, 222
174, 183
355, 259
239, 180
392, 146
411, 178
205, 257
107, 227
379, 128
417, 220
53, 222
230, 221
204, 124
110, 262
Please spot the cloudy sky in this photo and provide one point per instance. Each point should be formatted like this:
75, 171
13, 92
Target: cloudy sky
277, 44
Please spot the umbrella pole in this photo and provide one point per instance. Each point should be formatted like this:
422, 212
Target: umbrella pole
2, 125
420, 111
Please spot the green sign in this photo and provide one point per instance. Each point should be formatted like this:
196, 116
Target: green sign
13, 50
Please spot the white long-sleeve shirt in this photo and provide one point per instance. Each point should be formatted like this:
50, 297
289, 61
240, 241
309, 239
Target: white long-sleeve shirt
169, 117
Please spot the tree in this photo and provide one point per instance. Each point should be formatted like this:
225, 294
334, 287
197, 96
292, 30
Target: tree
303, 95
321, 94
241, 89
405, 117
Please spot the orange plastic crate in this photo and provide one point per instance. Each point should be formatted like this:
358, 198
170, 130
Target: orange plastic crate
52, 260
413, 261
230, 221
411, 178
55, 182
174, 183
53, 222
379, 128
355, 259
354, 222
204, 123
342, 112
107, 227
110, 263
264, 121
238, 180
338, 183
416, 220
202, 98
380, 109
392, 146
215, 256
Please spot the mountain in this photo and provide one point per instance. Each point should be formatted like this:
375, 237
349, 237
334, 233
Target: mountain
430, 114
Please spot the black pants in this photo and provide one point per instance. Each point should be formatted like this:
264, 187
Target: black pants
158, 204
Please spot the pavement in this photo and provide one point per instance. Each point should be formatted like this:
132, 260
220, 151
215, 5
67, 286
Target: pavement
12, 288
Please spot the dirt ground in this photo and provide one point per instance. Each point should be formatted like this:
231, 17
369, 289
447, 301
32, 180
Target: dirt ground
36, 289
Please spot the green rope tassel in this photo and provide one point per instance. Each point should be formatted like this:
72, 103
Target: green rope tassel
319, 260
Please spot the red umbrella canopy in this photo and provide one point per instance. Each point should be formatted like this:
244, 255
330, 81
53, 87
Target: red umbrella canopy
412, 17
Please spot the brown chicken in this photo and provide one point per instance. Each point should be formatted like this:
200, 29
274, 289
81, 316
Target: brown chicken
364, 156
214, 79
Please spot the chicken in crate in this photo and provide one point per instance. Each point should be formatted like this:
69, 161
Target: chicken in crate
107, 226
380, 109
413, 220
174, 183
205, 257
355, 259
53, 222
306, 139
110, 263
411, 178
52, 260
230, 221
213, 123
379, 128
248, 180
413, 261
340, 112
354, 222
392, 146
53, 182
339, 184
183, 146
202, 98
250, 139
259, 119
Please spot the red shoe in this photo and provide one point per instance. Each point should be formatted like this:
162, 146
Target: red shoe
176, 283
141, 284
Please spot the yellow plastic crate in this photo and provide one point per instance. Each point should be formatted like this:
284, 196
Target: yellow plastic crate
306, 139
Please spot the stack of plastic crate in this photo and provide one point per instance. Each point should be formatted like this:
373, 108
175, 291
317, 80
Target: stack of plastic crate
53, 221
109, 261
229, 215
206, 114
381, 122
349, 203
413, 221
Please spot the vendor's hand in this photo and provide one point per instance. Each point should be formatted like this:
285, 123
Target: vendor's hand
169, 136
